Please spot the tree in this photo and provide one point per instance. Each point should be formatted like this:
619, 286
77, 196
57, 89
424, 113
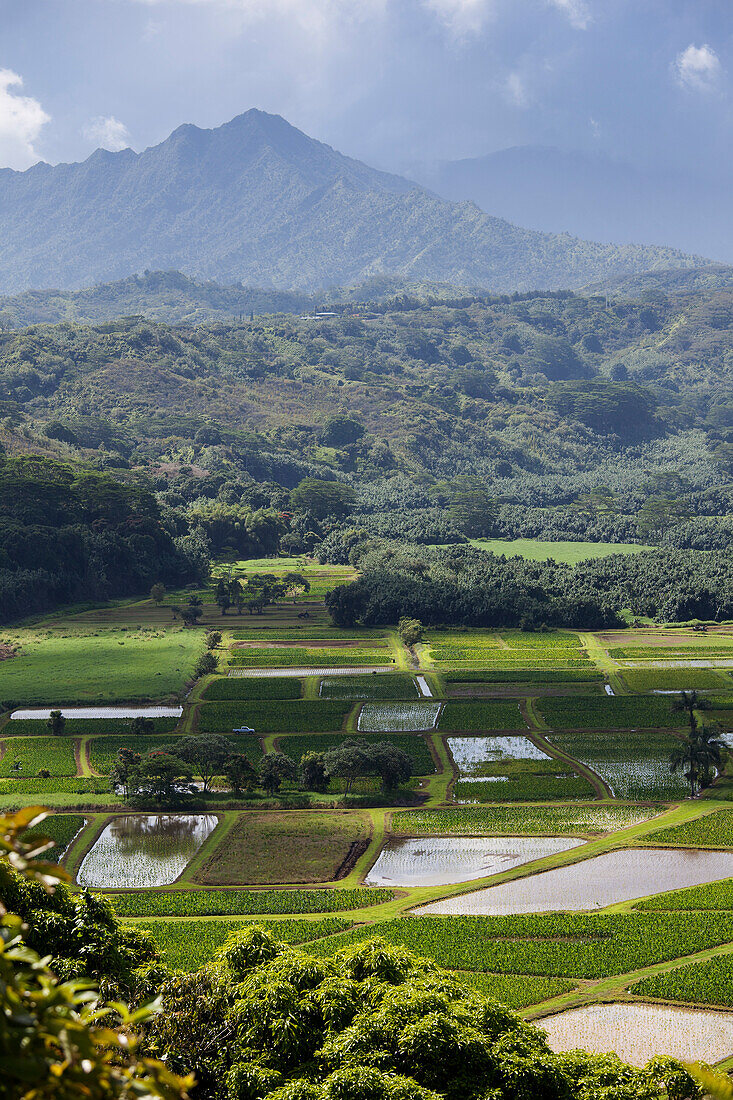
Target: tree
273, 768
213, 639
222, 598
141, 726
160, 778
312, 772
697, 754
56, 723
157, 593
192, 611
206, 753
411, 631
205, 665
689, 702
391, 764
239, 772
56, 1042
125, 772
349, 761
322, 498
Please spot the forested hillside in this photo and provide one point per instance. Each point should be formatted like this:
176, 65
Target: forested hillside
259, 201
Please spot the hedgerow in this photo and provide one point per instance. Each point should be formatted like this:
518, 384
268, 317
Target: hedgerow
413, 744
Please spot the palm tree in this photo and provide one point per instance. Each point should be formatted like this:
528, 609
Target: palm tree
689, 702
697, 754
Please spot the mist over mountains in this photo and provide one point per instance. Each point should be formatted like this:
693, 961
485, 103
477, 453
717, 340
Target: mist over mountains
258, 201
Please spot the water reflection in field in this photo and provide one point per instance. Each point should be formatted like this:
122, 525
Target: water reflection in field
136, 850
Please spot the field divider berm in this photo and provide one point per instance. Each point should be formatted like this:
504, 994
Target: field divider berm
599, 785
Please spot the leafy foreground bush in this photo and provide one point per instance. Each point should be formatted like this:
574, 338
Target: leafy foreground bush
372, 1023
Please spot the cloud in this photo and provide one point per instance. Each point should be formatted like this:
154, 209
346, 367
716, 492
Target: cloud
516, 91
107, 132
577, 12
21, 121
461, 16
698, 68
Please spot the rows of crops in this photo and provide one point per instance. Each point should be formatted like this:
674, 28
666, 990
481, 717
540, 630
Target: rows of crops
34, 785
82, 727
609, 712
398, 685
401, 717
514, 991
103, 750
674, 679
510, 820
489, 714
633, 766
709, 982
587, 946
510, 650
255, 687
713, 895
524, 782
712, 831
274, 717
61, 829
671, 652
27, 756
299, 657
525, 676
222, 903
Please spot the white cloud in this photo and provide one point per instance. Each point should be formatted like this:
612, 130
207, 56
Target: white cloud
107, 132
516, 91
698, 68
577, 12
21, 121
461, 16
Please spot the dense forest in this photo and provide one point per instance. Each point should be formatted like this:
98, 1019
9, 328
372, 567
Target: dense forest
425, 420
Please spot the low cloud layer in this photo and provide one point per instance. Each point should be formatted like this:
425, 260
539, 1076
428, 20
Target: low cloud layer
107, 132
21, 120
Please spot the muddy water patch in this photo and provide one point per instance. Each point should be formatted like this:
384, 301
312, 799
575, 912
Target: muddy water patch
638, 1032
595, 883
137, 850
442, 861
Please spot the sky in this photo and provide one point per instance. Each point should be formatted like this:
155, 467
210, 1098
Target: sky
393, 82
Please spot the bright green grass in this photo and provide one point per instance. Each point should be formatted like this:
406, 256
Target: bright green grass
318, 715
594, 945
515, 991
674, 679
34, 753
609, 712
103, 750
513, 821
255, 687
61, 828
712, 831
81, 727
222, 903
705, 983
188, 944
397, 685
713, 895
414, 745
470, 717
634, 765
100, 666
569, 553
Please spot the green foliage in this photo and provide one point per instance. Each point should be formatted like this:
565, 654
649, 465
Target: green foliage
673, 679
509, 820
609, 712
371, 686
82, 727
26, 756
710, 831
515, 991
486, 715
713, 895
709, 982
61, 829
635, 765
525, 781
221, 903
524, 676
254, 687
322, 498
274, 717
415, 746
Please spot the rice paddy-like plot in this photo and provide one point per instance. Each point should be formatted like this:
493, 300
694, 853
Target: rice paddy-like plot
489, 714
472, 755
61, 829
377, 686
139, 850
511, 820
638, 1032
708, 982
318, 715
602, 880
255, 687
415, 746
287, 846
298, 657
439, 861
525, 782
509, 650
223, 903
634, 766
188, 944
519, 991
103, 750
565, 945
97, 666
26, 756
84, 727
672, 679
696, 652
599, 712
713, 830
398, 717
525, 676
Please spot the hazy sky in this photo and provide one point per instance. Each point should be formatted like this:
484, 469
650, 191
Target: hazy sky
389, 81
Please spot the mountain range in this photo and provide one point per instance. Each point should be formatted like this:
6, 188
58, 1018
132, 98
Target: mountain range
258, 201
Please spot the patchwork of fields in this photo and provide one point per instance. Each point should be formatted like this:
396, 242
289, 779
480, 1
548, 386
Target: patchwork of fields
507, 734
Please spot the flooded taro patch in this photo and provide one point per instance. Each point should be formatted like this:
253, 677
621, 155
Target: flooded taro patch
138, 850
398, 717
472, 754
101, 712
638, 1032
595, 883
441, 861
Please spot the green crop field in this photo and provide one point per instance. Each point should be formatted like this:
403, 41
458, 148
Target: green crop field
413, 744
223, 903
609, 712
709, 982
712, 831
385, 686
713, 895
299, 657
526, 676
188, 944
320, 716
634, 765
674, 679
61, 828
525, 781
515, 991
560, 945
57, 791
101, 666
513, 821
254, 687
82, 727
567, 553
471, 717
284, 846
32, 754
